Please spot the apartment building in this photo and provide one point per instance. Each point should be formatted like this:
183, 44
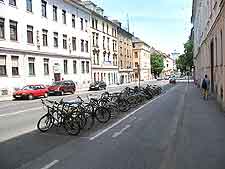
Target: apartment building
43, 41
168, 65
142, 58
126, 73
104, 46
209, 39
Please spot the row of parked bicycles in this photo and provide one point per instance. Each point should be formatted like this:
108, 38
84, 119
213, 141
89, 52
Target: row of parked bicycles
83, 113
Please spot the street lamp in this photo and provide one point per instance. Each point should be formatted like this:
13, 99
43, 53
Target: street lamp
139, 75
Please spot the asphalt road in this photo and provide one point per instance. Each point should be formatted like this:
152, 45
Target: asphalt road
20, 117
173, 131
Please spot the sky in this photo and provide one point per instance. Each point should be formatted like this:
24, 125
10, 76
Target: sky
163, 24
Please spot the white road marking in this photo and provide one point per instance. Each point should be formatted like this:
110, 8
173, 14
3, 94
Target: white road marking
19, 112
127, 116
50, 164
116, 134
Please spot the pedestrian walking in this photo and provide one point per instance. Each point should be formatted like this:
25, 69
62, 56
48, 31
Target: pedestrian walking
205, 87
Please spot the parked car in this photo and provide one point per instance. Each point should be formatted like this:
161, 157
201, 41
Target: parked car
98, 85
62, 87
172, 79
31, 91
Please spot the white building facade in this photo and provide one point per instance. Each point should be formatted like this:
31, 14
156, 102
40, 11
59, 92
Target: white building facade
43, 41
142, 57
104, 48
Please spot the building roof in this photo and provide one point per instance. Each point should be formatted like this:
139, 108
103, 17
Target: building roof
138, 40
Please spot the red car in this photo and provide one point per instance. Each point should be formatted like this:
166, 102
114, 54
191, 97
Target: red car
31, 91
62, 87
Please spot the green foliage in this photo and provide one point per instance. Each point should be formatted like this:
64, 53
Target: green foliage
157, 64
185, 61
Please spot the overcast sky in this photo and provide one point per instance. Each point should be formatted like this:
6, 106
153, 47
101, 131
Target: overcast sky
164, 24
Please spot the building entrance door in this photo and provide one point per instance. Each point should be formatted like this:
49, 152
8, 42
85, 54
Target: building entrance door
57, 77
212, 65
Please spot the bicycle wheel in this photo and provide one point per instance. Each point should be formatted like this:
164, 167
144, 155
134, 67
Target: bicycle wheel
123, 105
89, 116
72, 126
81, 119
45, 123
102, 114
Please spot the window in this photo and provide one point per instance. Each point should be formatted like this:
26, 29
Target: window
135, 54
136, 64
93, 23
13, 30
64, 16
65, 67
103, 27
55, 17
107, 29
31, 62
73, 21
43, 8
86, 25
216, 51
96, 39
104, 56
96, 24
46, 66
82, 67
12, 2
81, 23
167, 65
45, 37
75, 67
64, 41
3, 65
15, 65
2, 28
86, 46
112, 32
87, 67
93, 39
221, 46
55, 39
103, 42
97, 58
82, 45
74, 43
29, 5
29, 34
108, 43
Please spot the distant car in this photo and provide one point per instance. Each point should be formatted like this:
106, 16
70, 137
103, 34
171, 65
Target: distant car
98, 85
172, 79
31, 91
62, 87
159, 78
166, 78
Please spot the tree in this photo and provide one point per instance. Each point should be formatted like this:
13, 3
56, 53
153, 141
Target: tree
185, 61
157, 64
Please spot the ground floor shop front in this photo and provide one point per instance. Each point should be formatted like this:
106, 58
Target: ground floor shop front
18, 69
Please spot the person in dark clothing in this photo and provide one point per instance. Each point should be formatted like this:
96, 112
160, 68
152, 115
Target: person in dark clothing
205, 87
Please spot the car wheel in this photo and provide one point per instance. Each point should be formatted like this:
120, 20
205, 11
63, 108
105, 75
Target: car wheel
30, 97
46, 95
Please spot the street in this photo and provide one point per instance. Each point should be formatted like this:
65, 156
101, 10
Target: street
175, 130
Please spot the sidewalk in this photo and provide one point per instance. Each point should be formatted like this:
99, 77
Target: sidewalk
200, 133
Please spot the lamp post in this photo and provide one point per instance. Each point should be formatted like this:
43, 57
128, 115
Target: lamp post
139, 75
